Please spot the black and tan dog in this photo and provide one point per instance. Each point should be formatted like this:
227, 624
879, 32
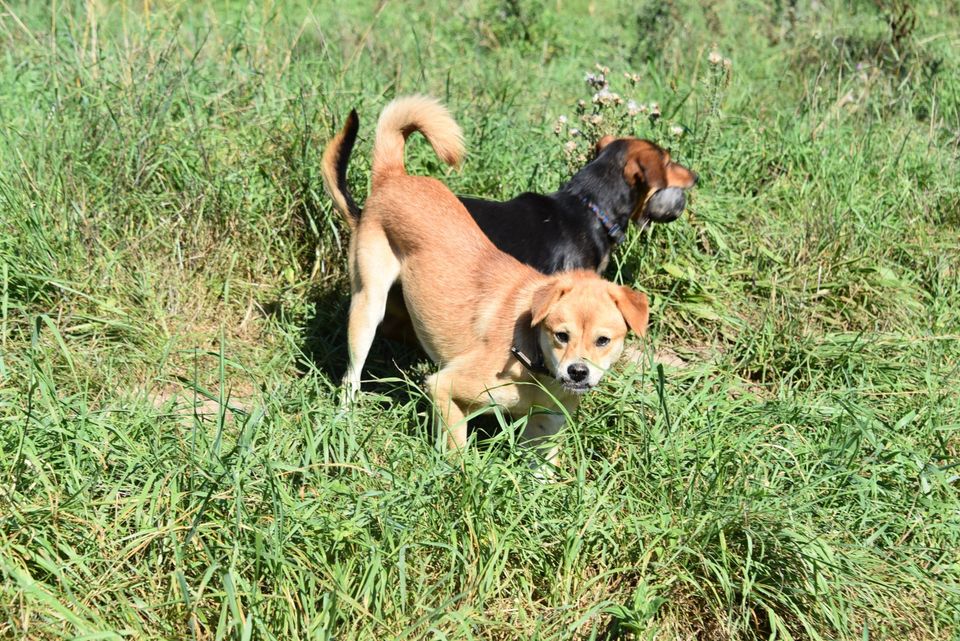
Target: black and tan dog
575, 227
502, 333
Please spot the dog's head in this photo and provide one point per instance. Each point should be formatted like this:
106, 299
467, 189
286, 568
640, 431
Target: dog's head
582, 321
657, 184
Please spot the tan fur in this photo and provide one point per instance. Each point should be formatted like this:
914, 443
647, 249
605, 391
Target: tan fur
406, 115
469, 301
398, 120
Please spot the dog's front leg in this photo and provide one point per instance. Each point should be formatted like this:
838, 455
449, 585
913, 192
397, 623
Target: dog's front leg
449, 416
539, 435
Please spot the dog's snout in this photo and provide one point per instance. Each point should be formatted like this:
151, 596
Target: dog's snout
578, 372
666, 205
696, 177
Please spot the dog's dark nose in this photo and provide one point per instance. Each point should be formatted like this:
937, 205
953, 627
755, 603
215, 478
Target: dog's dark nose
578, 372
696, 177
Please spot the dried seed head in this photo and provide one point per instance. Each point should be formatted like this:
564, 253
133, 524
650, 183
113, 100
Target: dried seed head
606, 97
595, 80
559, 124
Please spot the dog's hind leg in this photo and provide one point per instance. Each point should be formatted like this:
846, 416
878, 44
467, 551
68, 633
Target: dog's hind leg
373, 271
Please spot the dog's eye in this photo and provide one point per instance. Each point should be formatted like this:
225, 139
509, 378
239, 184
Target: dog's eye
562, 337
603, 341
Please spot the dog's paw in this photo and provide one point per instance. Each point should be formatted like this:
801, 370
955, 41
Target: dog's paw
545, 470
545, 473
349, 395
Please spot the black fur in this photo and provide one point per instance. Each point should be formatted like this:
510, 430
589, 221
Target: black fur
557, 232
343, 158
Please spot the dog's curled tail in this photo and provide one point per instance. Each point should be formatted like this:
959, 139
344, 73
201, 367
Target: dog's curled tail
402, 117
334, 169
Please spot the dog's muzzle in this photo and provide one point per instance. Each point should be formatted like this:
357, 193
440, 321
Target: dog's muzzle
666, 205
576, 378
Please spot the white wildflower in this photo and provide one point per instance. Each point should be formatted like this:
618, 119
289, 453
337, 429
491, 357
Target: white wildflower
606, 97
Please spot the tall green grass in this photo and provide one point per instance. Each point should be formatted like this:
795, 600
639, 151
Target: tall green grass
779, 460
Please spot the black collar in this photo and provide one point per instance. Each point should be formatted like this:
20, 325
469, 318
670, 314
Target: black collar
532, 366
613, 229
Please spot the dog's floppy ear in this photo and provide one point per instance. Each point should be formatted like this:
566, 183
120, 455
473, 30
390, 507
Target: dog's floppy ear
546, 297
633, 306
603, 142
680, 176
645, 165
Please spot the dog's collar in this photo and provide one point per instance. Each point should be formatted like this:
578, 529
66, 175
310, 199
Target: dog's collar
613, 229
532, 366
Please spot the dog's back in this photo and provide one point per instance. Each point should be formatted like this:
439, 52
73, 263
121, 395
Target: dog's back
415, 208
430, 231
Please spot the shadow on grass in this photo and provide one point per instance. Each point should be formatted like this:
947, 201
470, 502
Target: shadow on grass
392, 367
323, 341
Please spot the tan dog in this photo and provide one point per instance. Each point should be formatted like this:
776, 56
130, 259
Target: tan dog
470, 303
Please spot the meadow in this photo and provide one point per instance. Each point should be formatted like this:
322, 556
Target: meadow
780, 459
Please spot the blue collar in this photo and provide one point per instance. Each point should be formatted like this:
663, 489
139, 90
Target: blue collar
613, 229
